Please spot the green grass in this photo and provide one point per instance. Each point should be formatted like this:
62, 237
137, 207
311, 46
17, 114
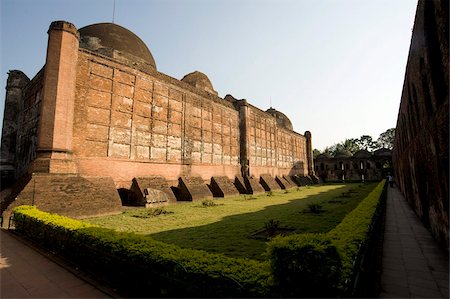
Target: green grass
230, 227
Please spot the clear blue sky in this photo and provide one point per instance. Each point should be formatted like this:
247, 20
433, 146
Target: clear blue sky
334, 67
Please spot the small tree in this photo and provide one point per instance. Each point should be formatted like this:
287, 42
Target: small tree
366, 142
316, 152
386, 139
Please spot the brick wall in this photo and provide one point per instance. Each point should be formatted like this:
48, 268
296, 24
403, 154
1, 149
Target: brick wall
273, 149
421, 147
123, 116
28, 121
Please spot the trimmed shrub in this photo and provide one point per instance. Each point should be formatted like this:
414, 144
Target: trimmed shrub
305, 265
350, 235
301, 265
140, 266
322, 265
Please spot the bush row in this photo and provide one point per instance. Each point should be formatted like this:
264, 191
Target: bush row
140, 266
323, 265
300, 265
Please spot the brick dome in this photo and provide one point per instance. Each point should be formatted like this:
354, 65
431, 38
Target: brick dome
362, 154
282, 119
116, 42
200, 81
342, 154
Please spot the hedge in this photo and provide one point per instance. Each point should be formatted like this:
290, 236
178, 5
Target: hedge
140, 266
350, 235
322, 265
299, 265
305, 265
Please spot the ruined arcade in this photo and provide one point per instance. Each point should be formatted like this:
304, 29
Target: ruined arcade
99, 117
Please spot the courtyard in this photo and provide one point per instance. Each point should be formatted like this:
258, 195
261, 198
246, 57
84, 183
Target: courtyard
241, 226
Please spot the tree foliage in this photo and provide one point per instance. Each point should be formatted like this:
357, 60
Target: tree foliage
316, 152
386, 140
365, 142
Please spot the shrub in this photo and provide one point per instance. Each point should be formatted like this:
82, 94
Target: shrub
272, 227
143, 267
270, 193
249, 197
150, 212
305, 265
321, 265
209, 203
315, 208
349, 235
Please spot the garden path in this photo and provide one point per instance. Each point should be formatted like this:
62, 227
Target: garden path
412, 264
26, 272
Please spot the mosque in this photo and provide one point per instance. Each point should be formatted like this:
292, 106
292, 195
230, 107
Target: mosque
99, 117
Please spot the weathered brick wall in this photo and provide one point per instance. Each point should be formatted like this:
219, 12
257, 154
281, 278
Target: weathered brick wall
124, 116
27, 133
70, 195
330, 169
421, 147
273, 149
12, 122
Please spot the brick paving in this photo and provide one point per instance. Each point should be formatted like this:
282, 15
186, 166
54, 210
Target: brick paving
413, 265
27, 273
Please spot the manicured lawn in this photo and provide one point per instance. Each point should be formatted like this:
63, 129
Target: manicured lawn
236, 226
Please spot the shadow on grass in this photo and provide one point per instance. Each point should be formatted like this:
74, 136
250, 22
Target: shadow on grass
234, 235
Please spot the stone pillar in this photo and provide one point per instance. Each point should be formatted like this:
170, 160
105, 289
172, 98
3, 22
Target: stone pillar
244, 136
17, 80
309, 153
54, 145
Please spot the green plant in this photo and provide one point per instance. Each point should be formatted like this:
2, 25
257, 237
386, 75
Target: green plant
321, 265
270, 193
249, 197
221, 229
305, 265
271, 227
315, 208
150, 212
333, 201
287, 191
142, 266
209, 203
351, 233
345, 195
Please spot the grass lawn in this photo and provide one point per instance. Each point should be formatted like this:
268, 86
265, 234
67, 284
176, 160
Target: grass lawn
236, 226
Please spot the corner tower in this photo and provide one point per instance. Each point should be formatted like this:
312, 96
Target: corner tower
54, 145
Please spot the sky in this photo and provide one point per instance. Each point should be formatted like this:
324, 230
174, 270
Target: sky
334, 67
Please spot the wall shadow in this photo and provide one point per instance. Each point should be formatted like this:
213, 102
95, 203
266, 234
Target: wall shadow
235, 235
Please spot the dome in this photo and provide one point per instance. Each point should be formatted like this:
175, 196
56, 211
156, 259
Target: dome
383, 152
323, 156
116, 42
362, 154
282, 119
342, 154
199, 80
